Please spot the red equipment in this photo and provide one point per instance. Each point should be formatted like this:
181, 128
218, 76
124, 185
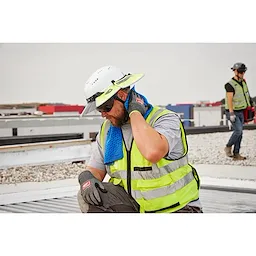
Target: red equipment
249, 114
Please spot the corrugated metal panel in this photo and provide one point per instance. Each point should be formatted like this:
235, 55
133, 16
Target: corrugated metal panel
212, 201
56, 205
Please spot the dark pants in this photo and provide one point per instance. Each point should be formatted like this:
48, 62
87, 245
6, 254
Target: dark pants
117, 200
237, 134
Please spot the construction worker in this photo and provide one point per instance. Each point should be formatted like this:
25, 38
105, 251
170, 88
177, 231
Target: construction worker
236, 101
142, 148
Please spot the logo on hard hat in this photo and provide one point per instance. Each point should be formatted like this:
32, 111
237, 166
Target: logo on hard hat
108, 91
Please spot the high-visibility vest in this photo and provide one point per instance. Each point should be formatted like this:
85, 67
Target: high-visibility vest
166, 186
241, 98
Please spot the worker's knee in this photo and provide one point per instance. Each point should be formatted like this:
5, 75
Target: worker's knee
84, 207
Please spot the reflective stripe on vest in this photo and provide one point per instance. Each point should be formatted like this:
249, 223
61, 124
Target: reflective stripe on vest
154, 173
241, 98
166, 186
160, 192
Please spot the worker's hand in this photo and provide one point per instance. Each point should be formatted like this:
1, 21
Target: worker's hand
232, 117
136, 103
89, 187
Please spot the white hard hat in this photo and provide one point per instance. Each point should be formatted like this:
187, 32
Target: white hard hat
103, 84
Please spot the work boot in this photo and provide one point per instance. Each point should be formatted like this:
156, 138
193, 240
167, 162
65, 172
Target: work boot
228, 151
238, 157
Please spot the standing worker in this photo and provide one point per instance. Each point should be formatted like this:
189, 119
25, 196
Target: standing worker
237, 100
143, 148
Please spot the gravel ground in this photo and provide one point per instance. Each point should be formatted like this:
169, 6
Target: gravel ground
41, 173
203, 149
209, 148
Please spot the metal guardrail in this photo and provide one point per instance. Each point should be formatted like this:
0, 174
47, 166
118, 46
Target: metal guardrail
15, 140
210, 129
46, 122
213, 129
17, 117
44, 153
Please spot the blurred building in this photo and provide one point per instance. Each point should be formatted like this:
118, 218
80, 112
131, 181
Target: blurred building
18, 109
202, 113
61, 110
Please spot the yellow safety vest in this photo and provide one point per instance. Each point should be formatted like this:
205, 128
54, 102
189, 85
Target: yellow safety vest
241, 97
166, 186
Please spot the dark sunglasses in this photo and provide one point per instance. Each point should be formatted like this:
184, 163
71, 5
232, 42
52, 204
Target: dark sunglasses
108, 105
241, 71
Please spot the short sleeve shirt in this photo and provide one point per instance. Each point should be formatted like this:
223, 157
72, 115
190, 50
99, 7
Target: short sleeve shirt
167, 125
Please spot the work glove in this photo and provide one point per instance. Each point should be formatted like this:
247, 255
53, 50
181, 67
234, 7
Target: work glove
136, 103
232, 117
89, 186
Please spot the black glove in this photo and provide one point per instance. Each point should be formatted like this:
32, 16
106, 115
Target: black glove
136, 103
89, 186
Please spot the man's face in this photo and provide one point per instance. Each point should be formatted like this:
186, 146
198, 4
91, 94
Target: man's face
114, 110
240, 73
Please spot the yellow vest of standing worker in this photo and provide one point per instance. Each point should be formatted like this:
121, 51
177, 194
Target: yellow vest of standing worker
166, 186
241, 98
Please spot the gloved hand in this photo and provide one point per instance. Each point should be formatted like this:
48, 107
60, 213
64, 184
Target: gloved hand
89, 186
136, 103
232, 117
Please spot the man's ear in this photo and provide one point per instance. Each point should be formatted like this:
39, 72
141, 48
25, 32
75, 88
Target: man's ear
122, 94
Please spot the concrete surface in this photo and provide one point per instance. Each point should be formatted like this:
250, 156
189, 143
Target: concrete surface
240, 179
233, 172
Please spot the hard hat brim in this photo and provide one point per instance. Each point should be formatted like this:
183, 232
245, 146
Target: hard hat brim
125, 82
88, 108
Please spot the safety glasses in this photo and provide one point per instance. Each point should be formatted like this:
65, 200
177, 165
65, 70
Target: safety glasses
108, 105
241, 70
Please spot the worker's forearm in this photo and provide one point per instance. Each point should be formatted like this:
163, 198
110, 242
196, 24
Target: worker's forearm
147, 139
230, 103
98, 174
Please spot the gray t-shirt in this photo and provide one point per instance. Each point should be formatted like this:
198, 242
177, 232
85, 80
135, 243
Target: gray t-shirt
167, 125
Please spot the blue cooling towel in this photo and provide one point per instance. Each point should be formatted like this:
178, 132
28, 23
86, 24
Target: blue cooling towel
114, 150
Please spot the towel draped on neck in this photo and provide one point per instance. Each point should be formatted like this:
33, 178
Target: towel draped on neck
113, 148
